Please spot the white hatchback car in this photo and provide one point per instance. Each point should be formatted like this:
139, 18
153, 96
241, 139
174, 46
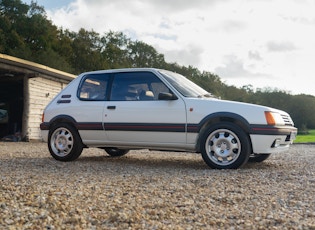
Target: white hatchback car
122, 109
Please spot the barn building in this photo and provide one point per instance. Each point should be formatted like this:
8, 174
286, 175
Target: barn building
25, 90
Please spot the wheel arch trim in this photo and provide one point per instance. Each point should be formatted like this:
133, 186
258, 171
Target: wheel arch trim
225, 116
218, 117
59, 118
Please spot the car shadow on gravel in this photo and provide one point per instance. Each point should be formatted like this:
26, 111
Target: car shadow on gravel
136, 161
142, 162
173, 163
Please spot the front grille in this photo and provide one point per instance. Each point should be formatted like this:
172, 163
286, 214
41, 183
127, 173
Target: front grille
287, 119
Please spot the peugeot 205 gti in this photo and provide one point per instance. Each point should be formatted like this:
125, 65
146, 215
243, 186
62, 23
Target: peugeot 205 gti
123, 109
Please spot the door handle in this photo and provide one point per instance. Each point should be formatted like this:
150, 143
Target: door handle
111, 107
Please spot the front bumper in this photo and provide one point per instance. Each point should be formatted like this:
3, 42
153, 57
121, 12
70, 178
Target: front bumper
270, 139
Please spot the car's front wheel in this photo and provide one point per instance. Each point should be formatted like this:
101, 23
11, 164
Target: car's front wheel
115, 152
64, 142
225, 146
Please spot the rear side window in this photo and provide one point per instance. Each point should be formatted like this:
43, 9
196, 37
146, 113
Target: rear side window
94, 87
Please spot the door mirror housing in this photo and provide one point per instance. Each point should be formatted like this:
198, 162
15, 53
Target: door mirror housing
167, 96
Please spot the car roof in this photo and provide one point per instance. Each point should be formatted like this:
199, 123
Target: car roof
121, 70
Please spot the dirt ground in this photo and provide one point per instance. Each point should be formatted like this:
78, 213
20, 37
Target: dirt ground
153, 190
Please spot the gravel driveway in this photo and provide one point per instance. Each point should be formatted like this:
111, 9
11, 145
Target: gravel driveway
153, 190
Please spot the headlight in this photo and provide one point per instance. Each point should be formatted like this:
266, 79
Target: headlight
273, 118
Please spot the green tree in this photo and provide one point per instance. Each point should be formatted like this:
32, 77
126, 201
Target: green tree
27, 33
115, 50
86, 49
302, 110
144, 55
12, 13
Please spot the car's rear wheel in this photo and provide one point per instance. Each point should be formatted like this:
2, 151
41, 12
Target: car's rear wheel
115, 152
259, 157
64, 142
225, 146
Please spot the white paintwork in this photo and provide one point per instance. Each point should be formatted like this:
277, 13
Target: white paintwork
183, 110
147, 112
262, 143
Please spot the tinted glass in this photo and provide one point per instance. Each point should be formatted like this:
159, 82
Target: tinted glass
136, 86
94, 87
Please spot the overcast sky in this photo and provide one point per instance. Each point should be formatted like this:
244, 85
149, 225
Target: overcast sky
265, 43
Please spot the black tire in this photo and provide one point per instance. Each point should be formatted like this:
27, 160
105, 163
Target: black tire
64, 142
115, 152
258, 157
225, 146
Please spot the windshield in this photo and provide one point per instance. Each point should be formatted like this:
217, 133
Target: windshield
186, 87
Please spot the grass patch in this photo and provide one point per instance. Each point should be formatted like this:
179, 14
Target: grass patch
307, 138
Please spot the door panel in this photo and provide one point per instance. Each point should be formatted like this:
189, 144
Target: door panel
89, 107
146, 121
135, 114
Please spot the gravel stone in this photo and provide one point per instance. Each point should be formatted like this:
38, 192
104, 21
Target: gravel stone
153, 190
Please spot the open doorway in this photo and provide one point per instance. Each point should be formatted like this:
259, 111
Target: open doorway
11, 107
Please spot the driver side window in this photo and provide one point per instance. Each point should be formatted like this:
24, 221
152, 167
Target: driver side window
137, 86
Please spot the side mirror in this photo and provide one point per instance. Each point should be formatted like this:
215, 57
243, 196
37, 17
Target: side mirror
167, 96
